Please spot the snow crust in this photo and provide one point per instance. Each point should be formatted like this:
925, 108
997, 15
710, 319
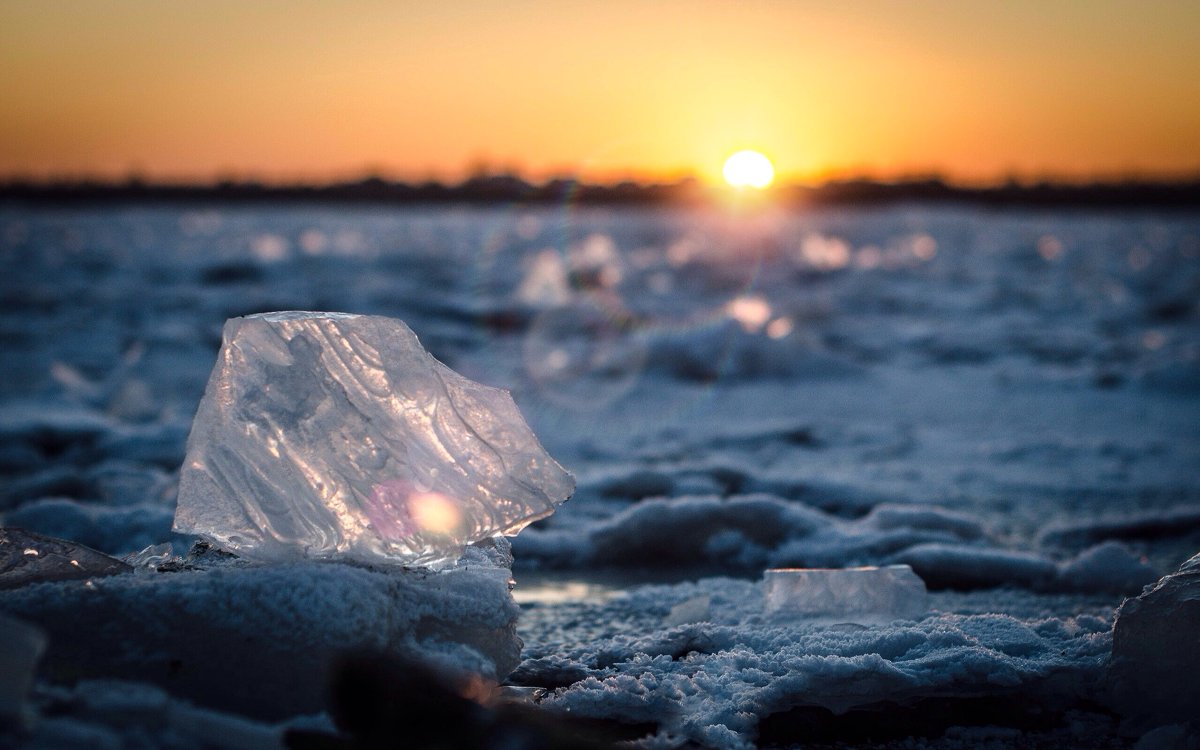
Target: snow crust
712, 682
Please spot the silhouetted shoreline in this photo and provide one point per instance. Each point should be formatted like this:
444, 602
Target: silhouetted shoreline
507, 189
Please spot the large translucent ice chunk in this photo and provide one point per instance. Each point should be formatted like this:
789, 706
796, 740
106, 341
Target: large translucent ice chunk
858, 595
333, 435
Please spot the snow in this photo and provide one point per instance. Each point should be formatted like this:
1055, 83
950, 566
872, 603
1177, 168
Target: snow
118, 714
712, 682
107, 528
1005, 401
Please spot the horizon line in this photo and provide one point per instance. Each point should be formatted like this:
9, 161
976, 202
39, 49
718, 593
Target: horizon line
493, 190
366, 177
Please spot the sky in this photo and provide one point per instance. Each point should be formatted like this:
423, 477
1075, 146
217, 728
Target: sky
301, 90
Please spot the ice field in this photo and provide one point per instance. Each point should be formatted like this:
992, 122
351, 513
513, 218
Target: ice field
1008, 402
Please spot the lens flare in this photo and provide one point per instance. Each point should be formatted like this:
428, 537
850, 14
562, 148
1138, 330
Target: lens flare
434, 512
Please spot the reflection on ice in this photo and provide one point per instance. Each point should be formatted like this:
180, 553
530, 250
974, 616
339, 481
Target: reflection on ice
545, 285
595, 262
560, 592
581, 356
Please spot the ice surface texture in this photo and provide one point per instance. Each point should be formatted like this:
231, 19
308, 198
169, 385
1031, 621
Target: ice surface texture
714, 683
858, 595
334, 435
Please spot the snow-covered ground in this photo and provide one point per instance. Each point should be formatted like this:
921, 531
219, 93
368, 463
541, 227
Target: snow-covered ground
1008, 402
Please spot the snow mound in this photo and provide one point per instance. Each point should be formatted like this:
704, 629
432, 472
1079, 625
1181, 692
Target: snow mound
258, 640
747, 533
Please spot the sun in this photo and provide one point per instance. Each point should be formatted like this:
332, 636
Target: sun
748, 169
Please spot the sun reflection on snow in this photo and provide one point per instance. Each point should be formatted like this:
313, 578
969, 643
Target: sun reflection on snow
824, 253
595, 262
779, 328
269, 248
313, 242
1049, 247
924, 247
752, 312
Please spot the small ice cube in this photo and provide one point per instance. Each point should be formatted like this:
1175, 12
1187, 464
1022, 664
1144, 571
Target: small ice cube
866, 595
331, 435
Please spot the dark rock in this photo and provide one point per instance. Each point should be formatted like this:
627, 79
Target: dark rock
1156, 650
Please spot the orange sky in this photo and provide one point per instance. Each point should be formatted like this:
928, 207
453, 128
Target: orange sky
324, 90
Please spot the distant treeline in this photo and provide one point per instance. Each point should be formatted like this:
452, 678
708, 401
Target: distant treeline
507, 189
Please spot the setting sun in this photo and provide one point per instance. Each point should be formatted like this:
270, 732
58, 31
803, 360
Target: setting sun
748, 169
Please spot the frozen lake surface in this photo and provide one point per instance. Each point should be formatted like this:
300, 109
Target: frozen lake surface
1008, 402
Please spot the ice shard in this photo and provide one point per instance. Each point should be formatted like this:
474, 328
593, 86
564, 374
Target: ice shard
27, 557
330, 435
863, 596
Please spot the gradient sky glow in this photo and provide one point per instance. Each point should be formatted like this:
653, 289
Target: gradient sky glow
653, 90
